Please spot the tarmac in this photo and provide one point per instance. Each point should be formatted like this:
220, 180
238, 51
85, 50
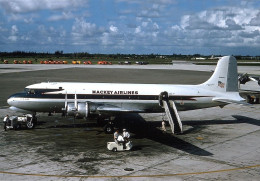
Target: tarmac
216, 144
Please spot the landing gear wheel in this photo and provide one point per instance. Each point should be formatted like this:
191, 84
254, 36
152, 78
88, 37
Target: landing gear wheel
109, 129
30, 124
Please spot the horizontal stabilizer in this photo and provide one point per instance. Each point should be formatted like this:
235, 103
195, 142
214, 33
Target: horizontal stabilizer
230, 101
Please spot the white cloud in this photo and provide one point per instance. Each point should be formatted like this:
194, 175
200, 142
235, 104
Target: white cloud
49, 39
23, 6
220, 27
138, 29
14, 30
13, 38
222, 18
144, 24
155, 26
63, 16
13, 34
105, 39
256, 20
113, 29
82, 28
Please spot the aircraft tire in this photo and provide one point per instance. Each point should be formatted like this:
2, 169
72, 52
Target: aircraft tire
30, 124
109, 129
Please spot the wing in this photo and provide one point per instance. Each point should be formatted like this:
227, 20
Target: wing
106, 108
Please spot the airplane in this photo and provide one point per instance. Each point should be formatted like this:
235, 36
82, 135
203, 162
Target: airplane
244, 78
108, 99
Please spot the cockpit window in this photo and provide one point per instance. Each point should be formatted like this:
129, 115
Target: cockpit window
40, 91
32, 91
29, 91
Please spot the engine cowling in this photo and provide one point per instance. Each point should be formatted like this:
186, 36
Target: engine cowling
83, 109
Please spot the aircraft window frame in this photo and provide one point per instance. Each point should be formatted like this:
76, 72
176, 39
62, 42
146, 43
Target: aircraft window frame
32, 91
37, 91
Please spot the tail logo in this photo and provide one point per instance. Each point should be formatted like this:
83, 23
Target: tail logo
221, 84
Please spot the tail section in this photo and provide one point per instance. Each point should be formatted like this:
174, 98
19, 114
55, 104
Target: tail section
225, 77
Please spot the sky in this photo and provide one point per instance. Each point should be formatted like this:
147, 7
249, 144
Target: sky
166, 27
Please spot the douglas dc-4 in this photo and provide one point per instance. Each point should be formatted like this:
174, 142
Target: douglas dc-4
87, 99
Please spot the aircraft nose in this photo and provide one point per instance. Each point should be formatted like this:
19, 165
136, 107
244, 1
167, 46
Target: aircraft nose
10, 101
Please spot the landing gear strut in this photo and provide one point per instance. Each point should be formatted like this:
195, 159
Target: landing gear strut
110, 126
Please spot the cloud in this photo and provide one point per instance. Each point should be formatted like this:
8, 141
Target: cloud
85, 33
234, 21
24, 6
215, 19
82, 28
225, 29
113, 29
14, 30
62, 16
12, 38
255, 21
252, 34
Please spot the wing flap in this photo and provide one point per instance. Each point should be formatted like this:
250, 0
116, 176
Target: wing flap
111, 108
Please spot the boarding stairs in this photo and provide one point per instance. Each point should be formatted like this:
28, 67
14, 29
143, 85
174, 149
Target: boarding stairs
171, 113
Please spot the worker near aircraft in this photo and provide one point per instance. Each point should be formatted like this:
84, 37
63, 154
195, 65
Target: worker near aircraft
116, 134
126, 135
6, 119
163, 126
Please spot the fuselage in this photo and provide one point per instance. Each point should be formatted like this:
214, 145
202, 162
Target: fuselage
52, 96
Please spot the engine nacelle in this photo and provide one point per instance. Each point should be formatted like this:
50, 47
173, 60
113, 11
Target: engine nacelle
82, 110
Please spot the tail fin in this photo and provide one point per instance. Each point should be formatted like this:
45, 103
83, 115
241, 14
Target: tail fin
225, 77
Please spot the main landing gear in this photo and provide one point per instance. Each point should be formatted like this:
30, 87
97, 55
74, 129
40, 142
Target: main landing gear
108, 124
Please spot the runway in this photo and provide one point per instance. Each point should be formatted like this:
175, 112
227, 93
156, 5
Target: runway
217, 144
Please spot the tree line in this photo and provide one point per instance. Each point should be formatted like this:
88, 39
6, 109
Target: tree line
77, 55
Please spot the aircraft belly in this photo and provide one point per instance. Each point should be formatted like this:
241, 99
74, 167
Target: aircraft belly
40, 105
51, 105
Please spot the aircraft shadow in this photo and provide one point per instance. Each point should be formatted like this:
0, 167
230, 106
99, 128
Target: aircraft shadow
148, 129
143, 129
239, 120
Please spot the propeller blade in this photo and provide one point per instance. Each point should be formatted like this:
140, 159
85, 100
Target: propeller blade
66, 100
76, 101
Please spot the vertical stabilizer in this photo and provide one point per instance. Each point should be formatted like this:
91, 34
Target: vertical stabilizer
224, 78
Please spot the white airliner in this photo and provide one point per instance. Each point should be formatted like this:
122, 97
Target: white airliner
85, 99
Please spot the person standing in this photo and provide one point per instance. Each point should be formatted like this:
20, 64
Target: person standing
6, 119
163, 126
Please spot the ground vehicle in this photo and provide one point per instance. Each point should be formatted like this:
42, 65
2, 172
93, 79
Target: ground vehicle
17, 122
119, 146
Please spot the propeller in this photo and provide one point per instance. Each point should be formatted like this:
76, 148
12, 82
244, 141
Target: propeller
64, 110
76, 102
